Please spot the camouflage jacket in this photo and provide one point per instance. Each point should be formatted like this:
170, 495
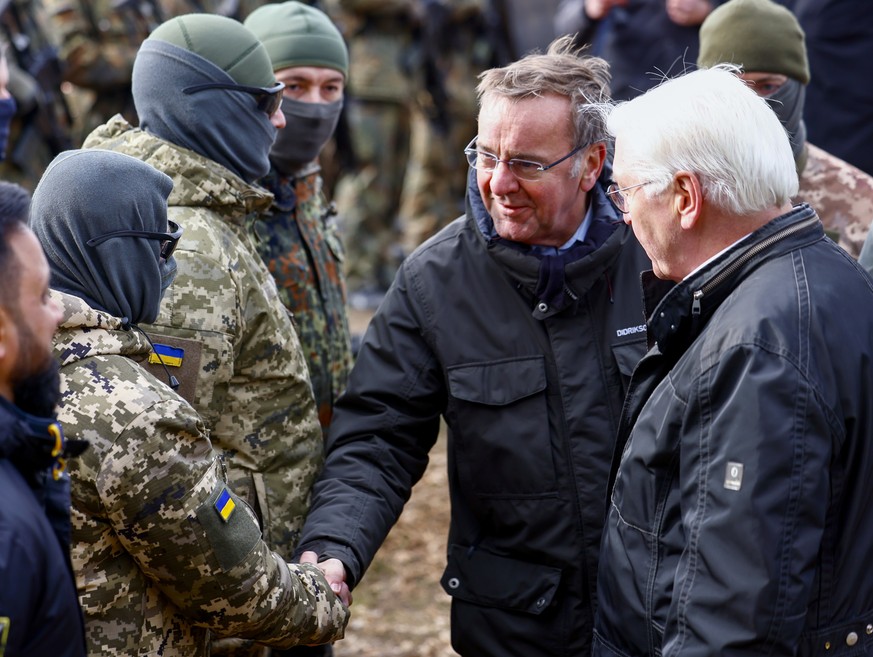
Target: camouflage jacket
299, 243
243, 367
163, 551
842, 196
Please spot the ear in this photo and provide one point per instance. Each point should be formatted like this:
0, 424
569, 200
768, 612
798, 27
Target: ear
687, 198
592, 165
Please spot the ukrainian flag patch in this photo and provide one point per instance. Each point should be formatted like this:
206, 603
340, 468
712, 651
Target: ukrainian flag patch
168, 355
225, 505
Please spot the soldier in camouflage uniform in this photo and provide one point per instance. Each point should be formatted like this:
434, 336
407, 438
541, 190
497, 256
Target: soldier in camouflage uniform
98, 42
40, 127
380, 93
297, 237
768, 42
453, 42
163, 549
243, 367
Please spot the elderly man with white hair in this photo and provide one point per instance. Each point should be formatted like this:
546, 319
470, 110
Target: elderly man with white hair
740, 517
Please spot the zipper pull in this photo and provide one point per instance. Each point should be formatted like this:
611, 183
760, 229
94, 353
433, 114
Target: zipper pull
695, 305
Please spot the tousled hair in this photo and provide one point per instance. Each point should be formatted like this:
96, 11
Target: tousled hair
562, 71
709, 122
14, 211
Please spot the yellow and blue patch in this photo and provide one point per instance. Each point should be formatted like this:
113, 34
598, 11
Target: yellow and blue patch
168, 355
225, 505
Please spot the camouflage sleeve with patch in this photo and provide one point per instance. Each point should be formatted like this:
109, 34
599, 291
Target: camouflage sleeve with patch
253, 385
164, 492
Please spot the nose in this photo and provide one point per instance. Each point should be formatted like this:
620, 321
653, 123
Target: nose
503, 181
278, 119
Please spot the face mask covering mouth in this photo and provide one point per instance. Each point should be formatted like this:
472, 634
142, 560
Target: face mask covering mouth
787, 102
308, 127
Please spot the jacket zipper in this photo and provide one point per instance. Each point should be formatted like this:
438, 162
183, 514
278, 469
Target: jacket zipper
742, 260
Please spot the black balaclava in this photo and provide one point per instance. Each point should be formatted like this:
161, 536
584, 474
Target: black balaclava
787, 102
222, 125
309, 126
85, 194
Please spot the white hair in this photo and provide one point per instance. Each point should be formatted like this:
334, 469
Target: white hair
709, 122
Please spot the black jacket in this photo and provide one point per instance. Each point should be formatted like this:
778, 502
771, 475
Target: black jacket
531, 393
38, 603
741, 520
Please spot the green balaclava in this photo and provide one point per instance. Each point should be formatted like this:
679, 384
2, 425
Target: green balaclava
296, 35
763, 37
223, 125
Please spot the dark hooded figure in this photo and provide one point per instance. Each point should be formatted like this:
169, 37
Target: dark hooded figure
164, 551
76, 202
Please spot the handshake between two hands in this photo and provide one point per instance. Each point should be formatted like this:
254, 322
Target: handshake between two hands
335, 573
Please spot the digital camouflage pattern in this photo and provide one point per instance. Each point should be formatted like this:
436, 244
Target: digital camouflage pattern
157, 568
251, 382
297, 239
842, 196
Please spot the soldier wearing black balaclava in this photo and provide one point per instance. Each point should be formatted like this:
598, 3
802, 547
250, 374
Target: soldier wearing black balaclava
297, 236
763, 37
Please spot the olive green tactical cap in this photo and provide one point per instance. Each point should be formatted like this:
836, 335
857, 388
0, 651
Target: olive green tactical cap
223, 41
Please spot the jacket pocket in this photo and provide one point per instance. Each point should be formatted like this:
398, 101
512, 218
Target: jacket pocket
627, 355
483, 578
502, 436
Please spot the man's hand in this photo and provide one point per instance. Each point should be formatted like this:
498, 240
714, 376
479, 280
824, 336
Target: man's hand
335, 574
597, 9
688, 12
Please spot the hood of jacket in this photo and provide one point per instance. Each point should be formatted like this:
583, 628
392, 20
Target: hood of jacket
85, 332
197, 181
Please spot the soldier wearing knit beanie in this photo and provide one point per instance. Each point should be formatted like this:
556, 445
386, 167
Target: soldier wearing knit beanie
763, 38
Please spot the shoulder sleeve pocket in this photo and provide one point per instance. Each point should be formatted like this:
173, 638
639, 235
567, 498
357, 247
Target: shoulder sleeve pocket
480, 577
498, 383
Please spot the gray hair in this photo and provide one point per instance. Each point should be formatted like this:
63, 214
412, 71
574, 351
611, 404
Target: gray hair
562, 71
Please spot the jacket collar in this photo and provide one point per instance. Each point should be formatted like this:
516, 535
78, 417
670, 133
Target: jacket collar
678, 312
86, 332
582, 267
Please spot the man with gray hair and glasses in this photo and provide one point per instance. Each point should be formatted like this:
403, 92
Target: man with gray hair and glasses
519, 325
740, 519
